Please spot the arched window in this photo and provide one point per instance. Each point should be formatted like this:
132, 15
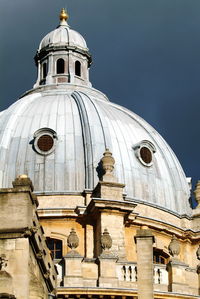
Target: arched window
55, 246
78, 68
44, 70
60, 66
159, 256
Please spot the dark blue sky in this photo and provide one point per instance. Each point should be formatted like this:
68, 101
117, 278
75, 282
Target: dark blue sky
146, 57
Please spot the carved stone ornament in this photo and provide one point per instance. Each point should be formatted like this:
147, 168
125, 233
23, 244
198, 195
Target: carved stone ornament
39, 254
106, 240
47, 274
29, 231
174, 247
198, 253
197, 193
108, 162
72, 240
3, 261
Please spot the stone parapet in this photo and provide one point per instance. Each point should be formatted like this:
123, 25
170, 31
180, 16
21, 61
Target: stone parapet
177, 276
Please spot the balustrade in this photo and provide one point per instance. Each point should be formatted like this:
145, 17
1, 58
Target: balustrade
128, 272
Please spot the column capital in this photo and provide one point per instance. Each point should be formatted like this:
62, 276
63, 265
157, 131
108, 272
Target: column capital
144, 233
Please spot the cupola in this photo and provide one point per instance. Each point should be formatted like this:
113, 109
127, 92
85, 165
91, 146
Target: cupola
63, 56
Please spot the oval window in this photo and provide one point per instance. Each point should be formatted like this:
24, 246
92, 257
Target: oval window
146, 155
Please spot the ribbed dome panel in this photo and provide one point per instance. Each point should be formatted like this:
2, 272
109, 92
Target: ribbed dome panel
85, 124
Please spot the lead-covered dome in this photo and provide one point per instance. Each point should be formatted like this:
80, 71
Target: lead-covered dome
63, 35
58, 132
82, 123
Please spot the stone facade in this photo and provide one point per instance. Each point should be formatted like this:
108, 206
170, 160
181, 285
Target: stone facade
99, 252
26, 267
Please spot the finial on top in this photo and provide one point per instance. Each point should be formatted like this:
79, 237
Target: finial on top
63, 15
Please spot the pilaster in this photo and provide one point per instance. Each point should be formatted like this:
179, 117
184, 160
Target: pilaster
144, 240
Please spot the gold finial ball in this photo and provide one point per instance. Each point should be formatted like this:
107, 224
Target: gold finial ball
63, 15
23, 176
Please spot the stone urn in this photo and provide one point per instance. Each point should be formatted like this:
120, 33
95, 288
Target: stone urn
174, 247
106, 240
72, 240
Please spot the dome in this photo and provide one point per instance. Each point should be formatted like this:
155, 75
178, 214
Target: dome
57, 133
63, 35
83, 122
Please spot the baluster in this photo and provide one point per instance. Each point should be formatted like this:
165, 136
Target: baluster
159, 276
130, 273
135, 270
124, 272
155, 275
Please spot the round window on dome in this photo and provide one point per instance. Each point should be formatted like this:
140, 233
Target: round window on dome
45, 141
144, 151
146, 155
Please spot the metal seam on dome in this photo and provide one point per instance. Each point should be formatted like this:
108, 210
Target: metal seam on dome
75, 160
102, 128
87, 143
65, 147
55, 153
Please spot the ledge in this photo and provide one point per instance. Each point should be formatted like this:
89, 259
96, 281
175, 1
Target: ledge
117, 292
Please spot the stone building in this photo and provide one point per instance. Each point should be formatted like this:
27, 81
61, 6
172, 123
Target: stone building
113, 200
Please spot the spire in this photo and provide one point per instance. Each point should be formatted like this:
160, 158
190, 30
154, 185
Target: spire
63, 17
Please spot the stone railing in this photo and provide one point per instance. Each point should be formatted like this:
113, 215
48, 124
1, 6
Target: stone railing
160, 274
127, 275
129, 272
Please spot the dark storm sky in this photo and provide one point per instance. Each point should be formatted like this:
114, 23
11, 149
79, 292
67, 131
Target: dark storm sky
146, 57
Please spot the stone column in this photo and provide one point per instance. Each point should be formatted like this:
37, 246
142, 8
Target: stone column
144, 243
51, 65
